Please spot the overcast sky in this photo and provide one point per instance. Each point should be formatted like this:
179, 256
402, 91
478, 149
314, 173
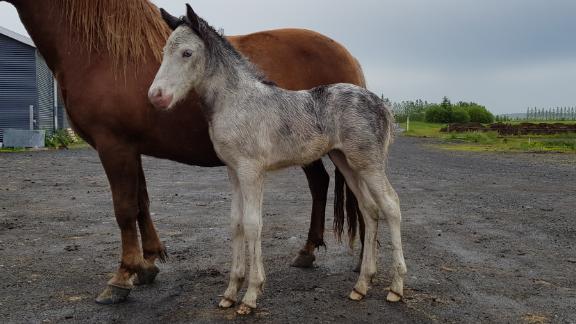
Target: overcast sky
504, 54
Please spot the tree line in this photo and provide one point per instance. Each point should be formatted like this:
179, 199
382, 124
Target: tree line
444, 112
558, 113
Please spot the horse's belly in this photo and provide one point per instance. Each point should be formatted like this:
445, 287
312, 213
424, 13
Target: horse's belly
303, 154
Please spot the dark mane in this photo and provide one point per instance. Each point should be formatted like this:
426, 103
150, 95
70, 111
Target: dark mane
220, 49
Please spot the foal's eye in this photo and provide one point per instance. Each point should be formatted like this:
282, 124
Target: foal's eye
187, 53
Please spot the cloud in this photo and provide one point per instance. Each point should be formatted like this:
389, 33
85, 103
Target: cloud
505, 54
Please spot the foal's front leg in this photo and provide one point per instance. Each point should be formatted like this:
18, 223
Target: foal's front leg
251, 181
238, 252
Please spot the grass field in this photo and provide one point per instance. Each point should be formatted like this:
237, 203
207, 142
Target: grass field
491, 141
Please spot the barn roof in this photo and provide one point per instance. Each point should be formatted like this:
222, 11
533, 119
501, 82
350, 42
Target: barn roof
16, 36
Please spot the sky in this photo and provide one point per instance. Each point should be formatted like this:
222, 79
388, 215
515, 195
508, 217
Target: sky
505, 54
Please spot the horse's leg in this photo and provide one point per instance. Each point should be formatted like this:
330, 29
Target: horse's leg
387, 199
121, 166
318, 181
251, 181
238, 252
151, 246
369, 211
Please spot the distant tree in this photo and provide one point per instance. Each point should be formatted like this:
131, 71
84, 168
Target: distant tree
459, 115
437, 114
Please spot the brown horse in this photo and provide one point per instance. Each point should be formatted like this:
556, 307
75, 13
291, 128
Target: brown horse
105, 54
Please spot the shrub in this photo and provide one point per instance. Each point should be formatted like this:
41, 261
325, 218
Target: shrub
60, 139
479, 114
437, 114
459, 115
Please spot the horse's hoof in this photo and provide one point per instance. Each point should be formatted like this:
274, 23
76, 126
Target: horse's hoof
393, 297
113, 295
244, 309
146, 276
303, 260
355, 295
226, 303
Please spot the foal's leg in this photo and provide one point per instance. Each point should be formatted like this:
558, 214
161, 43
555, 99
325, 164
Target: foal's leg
369, 211
318, 181
238, 253
151, 246
121, 165
389, 204
251, 182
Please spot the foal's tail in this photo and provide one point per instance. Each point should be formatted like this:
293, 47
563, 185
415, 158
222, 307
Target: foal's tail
345, 203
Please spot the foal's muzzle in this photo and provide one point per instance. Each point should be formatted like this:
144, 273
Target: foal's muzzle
159, 98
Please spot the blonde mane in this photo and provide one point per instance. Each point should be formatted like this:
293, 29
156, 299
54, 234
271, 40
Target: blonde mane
127, 30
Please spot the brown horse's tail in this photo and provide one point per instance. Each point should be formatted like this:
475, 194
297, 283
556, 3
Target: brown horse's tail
345, 203
345, 206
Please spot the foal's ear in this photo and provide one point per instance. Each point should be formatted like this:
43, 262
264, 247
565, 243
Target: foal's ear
193, 19
170, 20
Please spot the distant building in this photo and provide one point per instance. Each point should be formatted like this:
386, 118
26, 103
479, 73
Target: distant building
28, 92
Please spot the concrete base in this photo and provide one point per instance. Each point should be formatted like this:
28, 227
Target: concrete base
24, 138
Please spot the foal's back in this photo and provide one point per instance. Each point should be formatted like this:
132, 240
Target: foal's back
283, 128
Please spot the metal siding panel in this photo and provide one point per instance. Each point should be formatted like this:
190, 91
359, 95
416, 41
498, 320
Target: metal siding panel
45, 86
17, 83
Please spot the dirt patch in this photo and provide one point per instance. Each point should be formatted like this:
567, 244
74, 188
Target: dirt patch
488, 238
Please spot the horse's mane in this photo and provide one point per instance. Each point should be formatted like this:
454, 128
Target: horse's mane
127, 30
219, 47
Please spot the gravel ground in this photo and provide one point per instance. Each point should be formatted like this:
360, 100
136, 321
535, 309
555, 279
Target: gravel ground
487, 237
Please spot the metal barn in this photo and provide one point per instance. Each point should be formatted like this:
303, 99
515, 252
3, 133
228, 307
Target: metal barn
28, 92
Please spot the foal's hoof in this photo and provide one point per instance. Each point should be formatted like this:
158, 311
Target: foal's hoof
146, 276
244, 310
303, 260
113, 295
356, 295
226, 303
393, 297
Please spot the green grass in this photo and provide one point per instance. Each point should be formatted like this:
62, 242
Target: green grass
20, 149
422, 129
11, 150
492, 142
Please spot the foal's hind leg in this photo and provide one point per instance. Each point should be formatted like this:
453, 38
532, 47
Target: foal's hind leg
369, 211
387, 200
152, 248
318, 181
238, 253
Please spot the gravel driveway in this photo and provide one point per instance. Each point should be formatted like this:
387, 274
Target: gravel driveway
488, 237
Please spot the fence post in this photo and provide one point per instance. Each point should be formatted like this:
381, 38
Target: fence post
408, 123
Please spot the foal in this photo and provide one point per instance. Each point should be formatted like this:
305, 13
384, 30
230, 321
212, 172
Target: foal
256, 127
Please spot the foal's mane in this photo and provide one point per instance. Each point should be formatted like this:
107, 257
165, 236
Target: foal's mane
126, 30
220, 48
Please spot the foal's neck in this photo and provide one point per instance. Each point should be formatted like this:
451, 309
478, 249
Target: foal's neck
227, 82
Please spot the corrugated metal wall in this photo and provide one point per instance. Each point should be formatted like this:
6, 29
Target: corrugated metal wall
45, 109
17, 83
